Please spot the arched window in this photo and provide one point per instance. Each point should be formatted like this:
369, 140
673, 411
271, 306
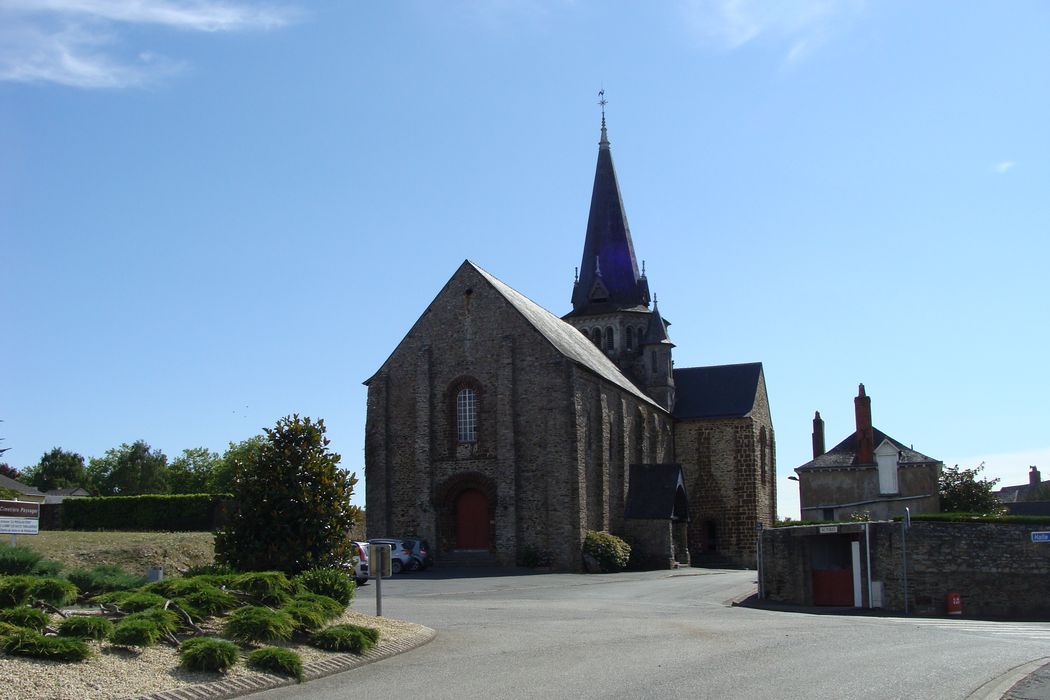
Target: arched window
466, 416
609, 344
586, 332
630, 338
597, 337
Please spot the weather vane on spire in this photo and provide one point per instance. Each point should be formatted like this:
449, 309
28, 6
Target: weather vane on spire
602, 102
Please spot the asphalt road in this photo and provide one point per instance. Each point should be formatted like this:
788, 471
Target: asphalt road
663, 635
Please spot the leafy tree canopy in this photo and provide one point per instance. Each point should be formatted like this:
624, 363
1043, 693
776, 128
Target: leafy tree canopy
57, 469
962, 492
129, 470
238, 453
293, 508
193, 471
9, 471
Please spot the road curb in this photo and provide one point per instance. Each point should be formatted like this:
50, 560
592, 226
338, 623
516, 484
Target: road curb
997, 688
236, 687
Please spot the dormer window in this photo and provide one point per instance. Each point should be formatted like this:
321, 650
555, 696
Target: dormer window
887, 457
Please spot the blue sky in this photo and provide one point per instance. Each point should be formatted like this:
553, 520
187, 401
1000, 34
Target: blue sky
215, 214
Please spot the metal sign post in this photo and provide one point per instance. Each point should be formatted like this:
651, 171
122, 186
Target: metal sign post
379, 568
758, 557
905, 524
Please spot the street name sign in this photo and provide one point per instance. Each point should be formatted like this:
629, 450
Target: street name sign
19, 518
1041, 536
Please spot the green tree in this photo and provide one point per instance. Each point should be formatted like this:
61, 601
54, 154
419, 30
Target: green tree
292, 507
193, 471
962, 492
57, 469
243, 453
129, 470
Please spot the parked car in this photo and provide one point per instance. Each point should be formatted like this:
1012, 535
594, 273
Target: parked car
360, 552
420, 552
406, 554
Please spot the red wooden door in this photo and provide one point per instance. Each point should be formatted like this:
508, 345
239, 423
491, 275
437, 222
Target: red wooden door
472, 520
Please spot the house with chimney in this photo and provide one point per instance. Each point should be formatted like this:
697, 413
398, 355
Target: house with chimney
1032, 498
868, 474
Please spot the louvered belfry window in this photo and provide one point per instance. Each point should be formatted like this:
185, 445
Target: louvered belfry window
466, 416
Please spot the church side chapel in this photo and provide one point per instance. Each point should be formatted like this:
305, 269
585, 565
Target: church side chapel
502, 433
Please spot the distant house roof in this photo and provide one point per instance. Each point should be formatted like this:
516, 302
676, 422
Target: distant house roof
721, 391
59, 495
844, 454
1018, 494
9, 483
656, 492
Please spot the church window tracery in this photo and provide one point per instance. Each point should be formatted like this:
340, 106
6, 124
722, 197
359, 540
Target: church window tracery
466, 416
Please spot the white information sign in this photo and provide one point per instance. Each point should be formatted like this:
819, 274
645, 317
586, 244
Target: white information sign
19, 518
19, 526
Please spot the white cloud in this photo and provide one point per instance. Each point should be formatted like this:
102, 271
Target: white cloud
78, 42
800, 26
1003, 166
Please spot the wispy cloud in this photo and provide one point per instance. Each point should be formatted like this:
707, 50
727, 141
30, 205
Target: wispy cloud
81, 43
800, 26
1002, 167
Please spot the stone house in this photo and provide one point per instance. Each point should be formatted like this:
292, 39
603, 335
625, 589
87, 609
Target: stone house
501, 432
869, 473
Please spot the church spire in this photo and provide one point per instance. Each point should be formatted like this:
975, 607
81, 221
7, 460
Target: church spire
607, 246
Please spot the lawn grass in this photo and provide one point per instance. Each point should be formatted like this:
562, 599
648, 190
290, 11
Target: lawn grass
132, 551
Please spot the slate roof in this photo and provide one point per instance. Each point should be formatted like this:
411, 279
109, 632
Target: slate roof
844, 454
653, 493
566, 339
608, 252
721, 391
1016, 494
9, 483
656, 332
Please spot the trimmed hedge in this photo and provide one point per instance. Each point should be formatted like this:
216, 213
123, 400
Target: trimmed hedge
980, 518
609, 551
195, 512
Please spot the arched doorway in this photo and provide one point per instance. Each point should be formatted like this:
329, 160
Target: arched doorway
472, 520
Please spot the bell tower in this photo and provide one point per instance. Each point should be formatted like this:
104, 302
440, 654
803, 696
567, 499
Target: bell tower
610, 296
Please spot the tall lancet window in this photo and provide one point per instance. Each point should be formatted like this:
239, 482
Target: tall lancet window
630, 338
466, 416
609, 343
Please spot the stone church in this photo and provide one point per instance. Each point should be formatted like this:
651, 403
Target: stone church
502, 433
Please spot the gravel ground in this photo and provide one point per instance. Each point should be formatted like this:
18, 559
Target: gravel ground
116, 673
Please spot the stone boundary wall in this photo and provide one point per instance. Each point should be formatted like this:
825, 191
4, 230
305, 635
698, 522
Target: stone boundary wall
995, 567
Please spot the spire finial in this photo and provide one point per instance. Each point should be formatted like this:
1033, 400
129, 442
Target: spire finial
597, 267
643, 268
601, 103
576, 275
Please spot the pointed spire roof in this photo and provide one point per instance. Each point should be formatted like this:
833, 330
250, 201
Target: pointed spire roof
609, 278
656, 333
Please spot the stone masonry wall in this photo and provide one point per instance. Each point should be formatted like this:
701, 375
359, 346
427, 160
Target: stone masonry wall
995, 567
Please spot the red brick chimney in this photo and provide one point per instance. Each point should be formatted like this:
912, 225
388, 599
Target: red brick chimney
818, 436
865, 433
1034, 479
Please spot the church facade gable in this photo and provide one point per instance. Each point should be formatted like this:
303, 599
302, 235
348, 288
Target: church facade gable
485, 439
